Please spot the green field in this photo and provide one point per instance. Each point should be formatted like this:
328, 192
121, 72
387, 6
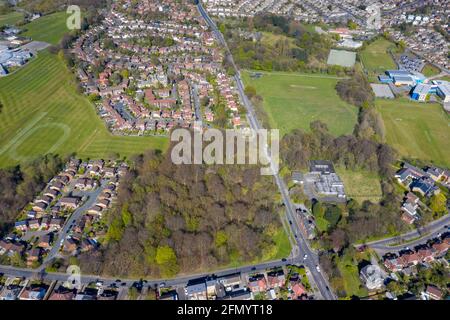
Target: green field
10, 18
376, 58
294, 100
417, 130
49, 28
283, 245
361, 185
42, 113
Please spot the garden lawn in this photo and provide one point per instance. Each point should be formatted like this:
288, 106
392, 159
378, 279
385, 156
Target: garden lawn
294, 100
417, 130
283, 245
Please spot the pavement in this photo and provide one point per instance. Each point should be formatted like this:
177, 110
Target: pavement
312, 261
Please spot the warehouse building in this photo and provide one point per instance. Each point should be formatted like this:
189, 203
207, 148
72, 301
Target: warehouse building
421, 92
443, 91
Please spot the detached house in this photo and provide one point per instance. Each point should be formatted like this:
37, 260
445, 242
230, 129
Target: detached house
257, 283
70, 202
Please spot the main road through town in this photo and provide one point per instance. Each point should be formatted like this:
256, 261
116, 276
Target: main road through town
310, 260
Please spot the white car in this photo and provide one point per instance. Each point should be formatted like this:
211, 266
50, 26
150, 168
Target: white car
318, 268
305, 257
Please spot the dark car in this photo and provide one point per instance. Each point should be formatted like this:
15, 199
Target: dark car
123, 284
118, 280
284, 260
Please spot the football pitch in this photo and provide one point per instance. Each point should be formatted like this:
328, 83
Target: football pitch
294, 100
43, 113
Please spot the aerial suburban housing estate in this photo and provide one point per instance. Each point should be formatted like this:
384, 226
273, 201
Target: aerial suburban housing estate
227, 150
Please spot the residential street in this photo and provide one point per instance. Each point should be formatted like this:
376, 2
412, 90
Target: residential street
411, 239
181, 280
74, 217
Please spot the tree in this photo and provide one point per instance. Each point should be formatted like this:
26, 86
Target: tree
318, 210
352, 25
250, 91
333, 215
116, 229
438, 203
125, 73
221, 239
93, 97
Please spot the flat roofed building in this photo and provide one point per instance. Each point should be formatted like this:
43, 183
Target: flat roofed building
321, 166
404, 80
420, 92
443, 91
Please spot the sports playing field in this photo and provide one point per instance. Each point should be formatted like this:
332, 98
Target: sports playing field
49, 28
417, 130
376, 58
42, 113
10, 18
294, 100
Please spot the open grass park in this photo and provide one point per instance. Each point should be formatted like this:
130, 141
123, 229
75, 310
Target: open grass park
294, 100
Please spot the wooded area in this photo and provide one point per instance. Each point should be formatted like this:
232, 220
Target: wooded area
19, 185
294, 49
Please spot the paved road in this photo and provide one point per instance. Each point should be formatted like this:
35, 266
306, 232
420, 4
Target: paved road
74, 217
411, 239
303, 247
